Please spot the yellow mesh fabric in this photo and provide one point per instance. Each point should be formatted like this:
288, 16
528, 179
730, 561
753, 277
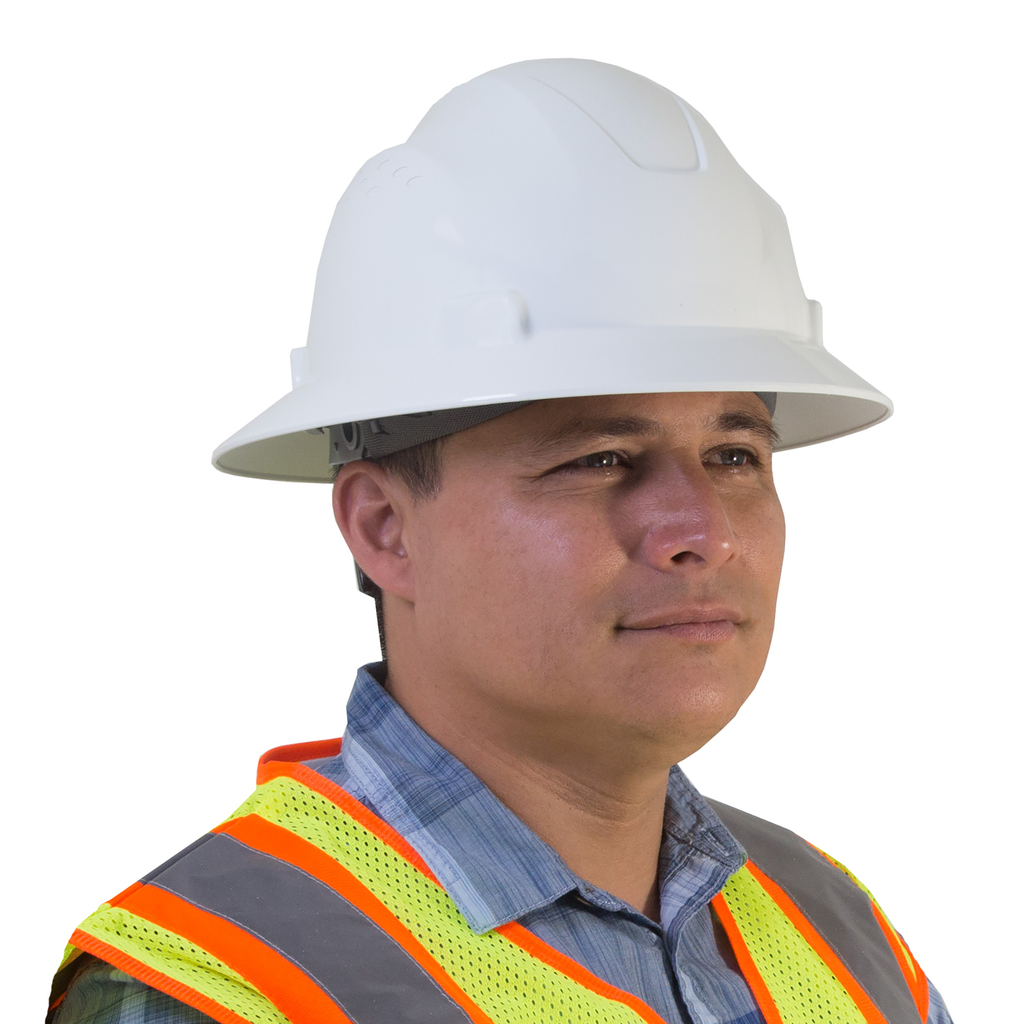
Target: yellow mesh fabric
179, 959
508, 984
803, 986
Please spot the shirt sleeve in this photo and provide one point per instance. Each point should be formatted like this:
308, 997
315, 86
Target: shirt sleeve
937, 1012
101, 994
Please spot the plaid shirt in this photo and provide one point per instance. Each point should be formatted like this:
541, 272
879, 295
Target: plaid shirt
497, 870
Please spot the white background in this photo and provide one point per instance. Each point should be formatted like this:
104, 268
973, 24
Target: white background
170, 171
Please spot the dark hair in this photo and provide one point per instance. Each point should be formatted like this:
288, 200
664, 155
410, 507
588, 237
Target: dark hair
419, 468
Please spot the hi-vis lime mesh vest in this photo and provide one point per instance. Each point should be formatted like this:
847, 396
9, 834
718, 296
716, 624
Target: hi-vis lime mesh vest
304, 907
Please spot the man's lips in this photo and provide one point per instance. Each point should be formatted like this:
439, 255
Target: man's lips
705, 624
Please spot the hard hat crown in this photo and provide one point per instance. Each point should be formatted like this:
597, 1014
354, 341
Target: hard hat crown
552, 228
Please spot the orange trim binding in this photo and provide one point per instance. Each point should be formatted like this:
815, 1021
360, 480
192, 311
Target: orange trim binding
860, 998
288, 987
279, 842
747, 966
125, 893
299, 752
155, 979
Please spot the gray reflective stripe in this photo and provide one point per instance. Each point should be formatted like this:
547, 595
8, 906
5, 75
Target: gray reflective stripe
839, 910
371, 977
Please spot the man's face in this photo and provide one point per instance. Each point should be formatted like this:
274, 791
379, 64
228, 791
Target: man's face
599, 571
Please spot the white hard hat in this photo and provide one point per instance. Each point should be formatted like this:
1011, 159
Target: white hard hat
551, 229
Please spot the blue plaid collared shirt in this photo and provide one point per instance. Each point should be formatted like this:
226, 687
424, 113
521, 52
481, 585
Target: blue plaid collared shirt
497, 870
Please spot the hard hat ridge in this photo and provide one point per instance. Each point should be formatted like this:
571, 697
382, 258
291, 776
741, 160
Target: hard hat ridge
552, 228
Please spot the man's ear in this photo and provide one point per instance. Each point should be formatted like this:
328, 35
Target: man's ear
368, 508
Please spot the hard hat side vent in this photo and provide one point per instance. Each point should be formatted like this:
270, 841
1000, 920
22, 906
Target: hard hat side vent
380, 173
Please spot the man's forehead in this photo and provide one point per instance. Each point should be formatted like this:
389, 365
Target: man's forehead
552, 423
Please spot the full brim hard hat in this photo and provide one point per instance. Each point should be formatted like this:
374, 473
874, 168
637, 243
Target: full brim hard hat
831, 400
552, 229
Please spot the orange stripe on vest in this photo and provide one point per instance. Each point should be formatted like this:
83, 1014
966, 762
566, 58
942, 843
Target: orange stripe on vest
265, 836
288, 987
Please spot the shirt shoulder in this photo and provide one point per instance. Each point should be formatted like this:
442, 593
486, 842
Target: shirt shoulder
99, 993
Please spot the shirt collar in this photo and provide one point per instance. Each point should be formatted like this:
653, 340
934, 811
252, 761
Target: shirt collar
456, 823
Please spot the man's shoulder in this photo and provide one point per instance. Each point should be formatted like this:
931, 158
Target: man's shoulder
100, 993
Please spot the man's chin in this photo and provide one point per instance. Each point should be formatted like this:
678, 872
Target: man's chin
686, 707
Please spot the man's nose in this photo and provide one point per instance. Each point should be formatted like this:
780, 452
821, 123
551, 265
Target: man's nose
687, 524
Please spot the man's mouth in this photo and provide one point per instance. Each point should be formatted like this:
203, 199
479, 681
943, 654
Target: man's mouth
696, 623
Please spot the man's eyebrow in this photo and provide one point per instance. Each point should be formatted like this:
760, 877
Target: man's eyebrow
597, 428
594, 428
740, 420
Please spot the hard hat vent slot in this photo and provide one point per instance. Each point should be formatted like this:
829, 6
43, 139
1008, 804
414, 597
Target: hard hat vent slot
642, 118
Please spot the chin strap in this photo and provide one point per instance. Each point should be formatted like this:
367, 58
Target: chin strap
367, 586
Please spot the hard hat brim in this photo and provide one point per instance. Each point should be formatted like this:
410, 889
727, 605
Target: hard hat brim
819, 398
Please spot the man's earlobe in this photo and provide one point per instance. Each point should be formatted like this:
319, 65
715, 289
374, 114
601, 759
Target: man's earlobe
368, 511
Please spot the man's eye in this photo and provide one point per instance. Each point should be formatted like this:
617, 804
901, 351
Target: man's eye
734, 457
596, 460
601, 460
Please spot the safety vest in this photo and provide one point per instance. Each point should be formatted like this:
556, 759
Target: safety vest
305, 908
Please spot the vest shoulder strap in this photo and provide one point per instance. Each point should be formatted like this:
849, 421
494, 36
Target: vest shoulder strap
856, 939
305, 908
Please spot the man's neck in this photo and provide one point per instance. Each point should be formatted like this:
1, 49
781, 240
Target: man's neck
609, 836
602, 812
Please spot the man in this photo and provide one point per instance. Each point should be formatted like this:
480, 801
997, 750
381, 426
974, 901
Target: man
555, 341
